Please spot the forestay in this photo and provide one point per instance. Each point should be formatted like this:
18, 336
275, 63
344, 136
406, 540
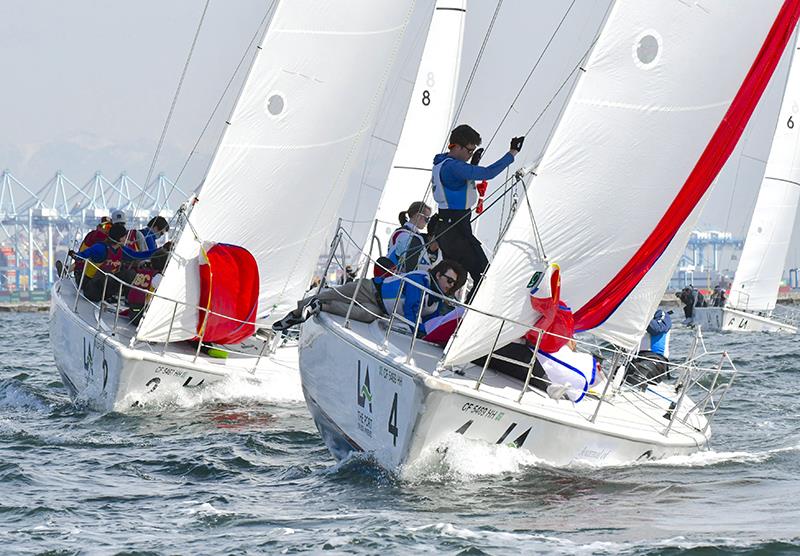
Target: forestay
650, 123
279, 175
758, 276
428, 119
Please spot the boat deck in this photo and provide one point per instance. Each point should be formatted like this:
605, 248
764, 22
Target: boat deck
623, 412
242, 357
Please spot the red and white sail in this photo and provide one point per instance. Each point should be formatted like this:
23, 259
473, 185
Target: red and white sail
281, 170
663, 100
758, 276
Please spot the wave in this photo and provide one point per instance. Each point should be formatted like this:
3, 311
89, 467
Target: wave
280, 388
490, 538
17, 395
462, 459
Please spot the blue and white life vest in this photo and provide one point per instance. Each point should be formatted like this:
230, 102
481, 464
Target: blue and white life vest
462, 198
399, 243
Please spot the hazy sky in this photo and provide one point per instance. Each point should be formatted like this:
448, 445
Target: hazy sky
87, 85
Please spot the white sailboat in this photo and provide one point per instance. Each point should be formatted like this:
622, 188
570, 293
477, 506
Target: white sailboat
751, 305
274, 188
650, 123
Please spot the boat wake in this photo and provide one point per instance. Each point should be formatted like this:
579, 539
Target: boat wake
461, 459
283, 388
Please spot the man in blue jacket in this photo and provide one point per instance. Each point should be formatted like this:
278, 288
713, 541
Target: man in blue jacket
658, 330
455, 192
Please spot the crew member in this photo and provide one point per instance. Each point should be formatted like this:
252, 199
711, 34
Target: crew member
455, 192
408, 245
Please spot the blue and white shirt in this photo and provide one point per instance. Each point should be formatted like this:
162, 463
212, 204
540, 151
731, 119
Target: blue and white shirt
454, 180
411, 300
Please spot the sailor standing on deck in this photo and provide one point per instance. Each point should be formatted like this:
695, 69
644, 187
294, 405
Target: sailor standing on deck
455, 192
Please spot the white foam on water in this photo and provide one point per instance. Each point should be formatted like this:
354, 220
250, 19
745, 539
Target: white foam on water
18, 397
204, 508
549, 544
709, 458
459, 458
278, 388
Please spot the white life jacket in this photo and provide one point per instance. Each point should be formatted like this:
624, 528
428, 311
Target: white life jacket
399, 243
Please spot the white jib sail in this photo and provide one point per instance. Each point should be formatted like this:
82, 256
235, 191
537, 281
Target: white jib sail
652, 96
428, 119
279, 175
755, 285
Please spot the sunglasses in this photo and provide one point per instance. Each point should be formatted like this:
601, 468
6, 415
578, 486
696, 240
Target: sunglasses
425, 218
450, 280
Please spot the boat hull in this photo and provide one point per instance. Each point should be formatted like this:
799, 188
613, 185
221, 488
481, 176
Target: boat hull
100, 370
733, 320
370, 401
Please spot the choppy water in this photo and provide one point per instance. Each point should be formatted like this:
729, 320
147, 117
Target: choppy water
237, 472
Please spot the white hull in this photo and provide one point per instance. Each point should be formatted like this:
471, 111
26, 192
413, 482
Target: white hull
734, 320
100, 369
365, 399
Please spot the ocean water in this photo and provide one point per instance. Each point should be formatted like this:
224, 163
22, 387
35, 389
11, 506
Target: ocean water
236, 471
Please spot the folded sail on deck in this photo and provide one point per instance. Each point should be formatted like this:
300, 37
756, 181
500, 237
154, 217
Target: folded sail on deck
650, 123
281, 170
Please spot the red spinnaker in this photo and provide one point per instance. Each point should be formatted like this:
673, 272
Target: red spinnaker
719, 148
228, 286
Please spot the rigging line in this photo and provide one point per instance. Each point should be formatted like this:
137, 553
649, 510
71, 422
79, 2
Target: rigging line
530, 74
175, 99
478, 58
577, 67
736, 178
468, 86
219, 101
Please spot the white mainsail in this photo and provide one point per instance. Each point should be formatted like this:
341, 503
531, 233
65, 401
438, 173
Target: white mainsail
281, 170
758, 276
652, 119
428, 119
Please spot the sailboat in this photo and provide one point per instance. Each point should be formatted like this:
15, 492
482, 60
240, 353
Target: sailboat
273, 191
650, 122
751, 305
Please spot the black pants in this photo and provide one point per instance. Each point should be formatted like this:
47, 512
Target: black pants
454, 234
93, 287
523, 354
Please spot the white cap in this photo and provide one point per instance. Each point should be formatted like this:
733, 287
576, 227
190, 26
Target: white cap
118, 216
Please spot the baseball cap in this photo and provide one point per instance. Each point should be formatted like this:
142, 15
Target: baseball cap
118, 216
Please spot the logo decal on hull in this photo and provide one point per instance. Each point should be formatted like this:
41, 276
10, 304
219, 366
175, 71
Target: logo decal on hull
364, 399
153, 384
87, 356
188, 383
364, 392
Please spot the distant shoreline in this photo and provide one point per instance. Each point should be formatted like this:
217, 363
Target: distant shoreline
25, 307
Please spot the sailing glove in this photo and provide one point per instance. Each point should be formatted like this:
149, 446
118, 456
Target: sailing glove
516, 143
476, 157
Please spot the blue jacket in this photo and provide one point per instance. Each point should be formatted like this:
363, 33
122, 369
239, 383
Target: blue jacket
658, 329
412, 296
150, 238
97, 253
454, 180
